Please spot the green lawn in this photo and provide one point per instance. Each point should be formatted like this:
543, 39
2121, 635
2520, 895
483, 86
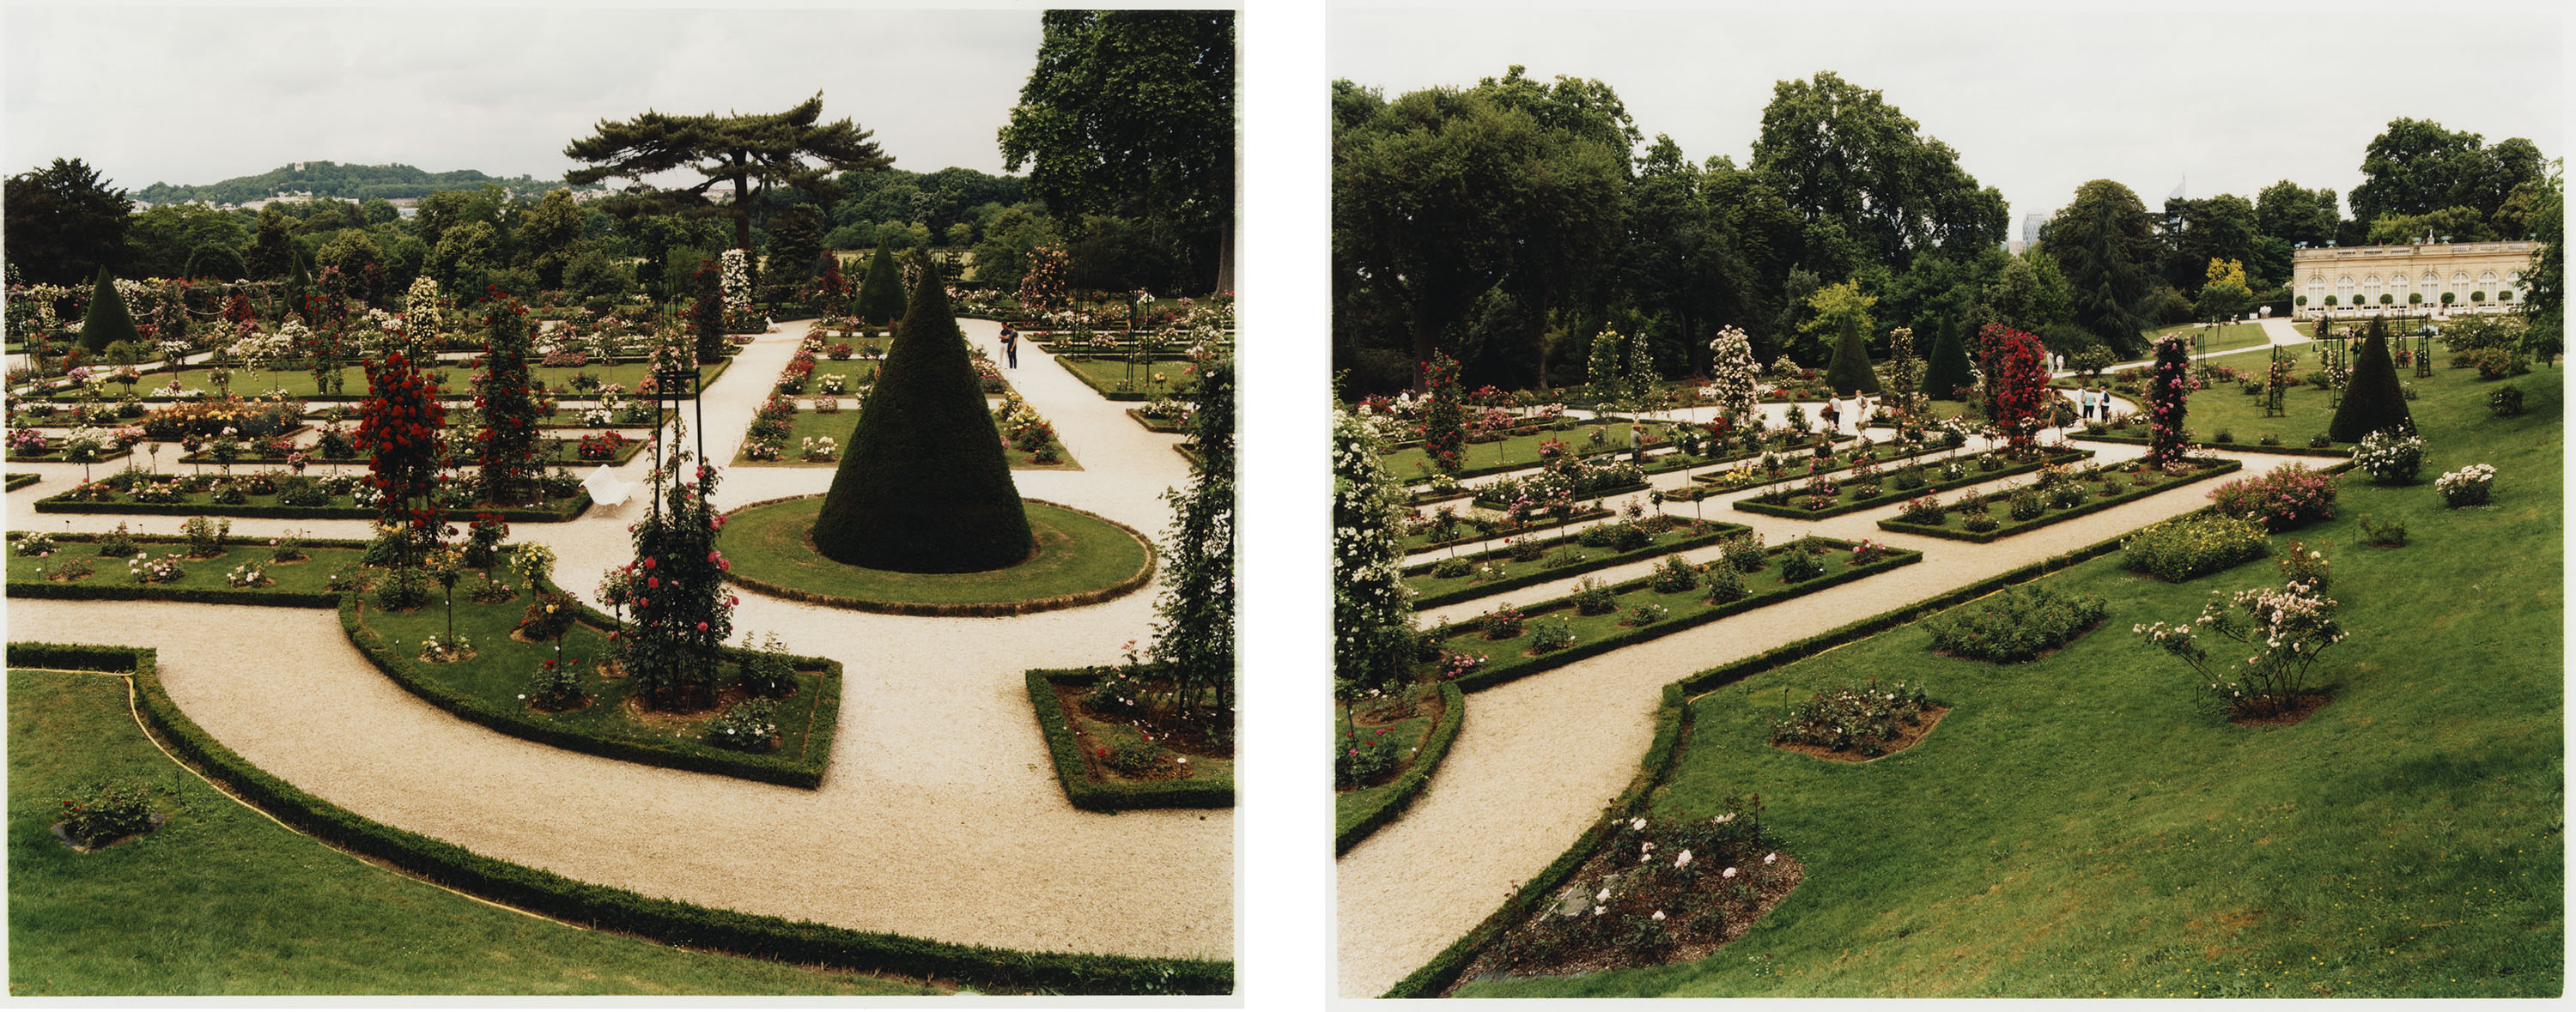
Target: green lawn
2308, 410
221, 900
1111, 374
310, 576
2229, 337
838, 426
1077, 552
2088, 825
1563, 556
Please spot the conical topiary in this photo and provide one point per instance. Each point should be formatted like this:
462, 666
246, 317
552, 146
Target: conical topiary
1947, 370
1850, 371
881, 291
2373, 399
108, 321
923, 486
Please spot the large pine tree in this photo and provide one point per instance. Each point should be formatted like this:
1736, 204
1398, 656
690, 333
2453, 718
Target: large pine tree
924, 487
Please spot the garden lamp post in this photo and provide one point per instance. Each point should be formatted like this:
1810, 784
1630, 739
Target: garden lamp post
2424, 349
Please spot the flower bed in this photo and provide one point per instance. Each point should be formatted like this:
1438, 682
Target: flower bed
1540, 560
298, 583
1108, 376
1362, 811
137, 492
2231, 447
1056, 696
1488, 529
1954, 519
1514, 656
1815, 501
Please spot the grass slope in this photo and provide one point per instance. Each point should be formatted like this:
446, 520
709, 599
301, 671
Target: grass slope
2087, 825
224, 901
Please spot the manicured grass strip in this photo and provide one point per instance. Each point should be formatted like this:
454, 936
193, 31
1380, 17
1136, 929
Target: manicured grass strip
803, 942
838, 425
1414, 543
1082, 559
1519, 452
21, 480
299, 383
1093, 795
1599, 634
223, 900
1158, 424
266, 506
1433, 591
1356, 814
1106, 375
294, 585
2289, 451
2006, 526
1847, 489
485, 689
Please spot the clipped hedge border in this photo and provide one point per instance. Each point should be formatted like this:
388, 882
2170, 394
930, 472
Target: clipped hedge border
1596, 494
2052, 459
1581, 514
1435, 747
968, 609
2285, 451
190, 595
807, 773
2090, 506
1662, 458
1092, 795
605, 908
1435, 978
21, 480
1499, 674
1067, 361
1724, 531
714, 369
557, 510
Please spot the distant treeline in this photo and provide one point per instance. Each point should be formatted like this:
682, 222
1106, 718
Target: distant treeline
347, 182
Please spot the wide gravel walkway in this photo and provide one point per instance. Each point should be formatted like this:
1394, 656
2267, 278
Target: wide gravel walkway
939, 817
1539, 758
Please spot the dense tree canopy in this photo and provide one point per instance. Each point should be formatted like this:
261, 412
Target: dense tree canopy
1841, 154
2107, 246
64, 223
2416, 167
1131, 113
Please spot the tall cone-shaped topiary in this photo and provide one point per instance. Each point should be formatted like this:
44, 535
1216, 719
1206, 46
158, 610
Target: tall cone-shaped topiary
107, 321
1948, 368
1850, 371
923, 487
2373, 398
881, 291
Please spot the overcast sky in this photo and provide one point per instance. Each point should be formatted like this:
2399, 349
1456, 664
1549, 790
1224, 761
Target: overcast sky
199, 95
2035, 102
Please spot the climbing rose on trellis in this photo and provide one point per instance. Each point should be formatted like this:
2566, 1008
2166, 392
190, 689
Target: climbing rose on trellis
2017, 383
737, 287
1731, 372
505, 393
1444, 434
1042, 286
1372, 610
421, 319
681, 609
2169, 387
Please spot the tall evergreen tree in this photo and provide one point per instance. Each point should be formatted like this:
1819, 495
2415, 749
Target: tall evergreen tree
2374, 400
881, 291
707, 313
1948, 370
108, 321
924, 487
1850, 371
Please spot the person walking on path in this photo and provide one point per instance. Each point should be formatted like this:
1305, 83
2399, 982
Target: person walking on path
1833, 415
1010, 346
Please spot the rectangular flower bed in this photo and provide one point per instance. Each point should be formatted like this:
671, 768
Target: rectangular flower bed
1424, 542
1109, 376
303, 584
184, 498
2289, 451
1515, 658
1212, 786
1506, 573
1846, 497
1953, 525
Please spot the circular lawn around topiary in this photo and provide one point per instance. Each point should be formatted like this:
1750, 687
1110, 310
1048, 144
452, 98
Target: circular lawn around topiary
1081, 559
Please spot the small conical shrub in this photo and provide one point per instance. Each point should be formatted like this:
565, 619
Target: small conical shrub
1947, 370
2373, 399
923, 487
108, 321
881, 291
1850, 371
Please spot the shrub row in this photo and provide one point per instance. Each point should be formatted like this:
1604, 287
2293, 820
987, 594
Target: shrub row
1894, 495
1094, 796
1718, 531
19, 481
1453, 714
2011, 527
554, 510
611, 909
2282, 451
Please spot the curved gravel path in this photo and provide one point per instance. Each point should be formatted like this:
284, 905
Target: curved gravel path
1539, 758
939, 816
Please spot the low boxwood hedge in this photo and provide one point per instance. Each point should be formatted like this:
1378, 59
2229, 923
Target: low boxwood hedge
1719, 531
552, 511
611, 909
1435, 747
1892, 495
1093, 795
21, 480
2008, 527
2287, 451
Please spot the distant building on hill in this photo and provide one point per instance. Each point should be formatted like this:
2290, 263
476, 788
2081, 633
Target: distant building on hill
2359, 281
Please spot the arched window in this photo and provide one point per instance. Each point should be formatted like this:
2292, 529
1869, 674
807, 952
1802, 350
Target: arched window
2432, 287
2370, 289
2397, 287
2343, 289
2487, 283
2316, 290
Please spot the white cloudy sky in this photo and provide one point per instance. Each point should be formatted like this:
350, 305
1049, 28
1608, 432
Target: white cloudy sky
204, 93
2035, 101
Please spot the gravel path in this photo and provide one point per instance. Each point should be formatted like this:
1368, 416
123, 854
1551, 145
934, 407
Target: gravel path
939, 816
1522, 779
